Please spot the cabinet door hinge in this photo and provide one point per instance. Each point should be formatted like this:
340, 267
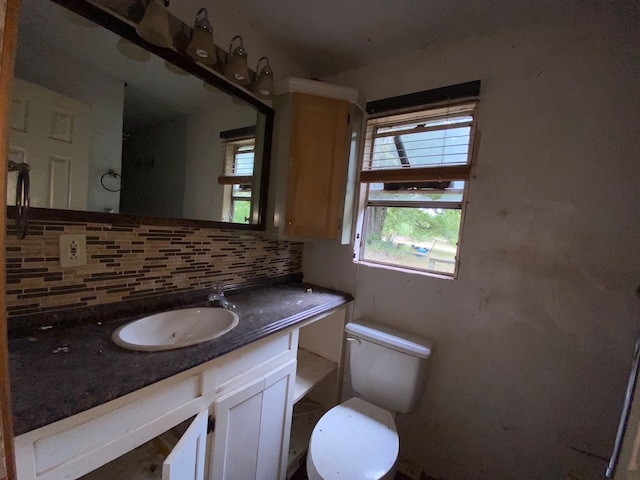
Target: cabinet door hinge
211, 424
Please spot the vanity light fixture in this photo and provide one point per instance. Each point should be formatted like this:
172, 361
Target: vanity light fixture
201, 47
264, 85
154, 26
235, 68
133, 51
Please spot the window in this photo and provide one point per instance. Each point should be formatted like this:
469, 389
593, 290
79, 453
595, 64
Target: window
414, 177
237, 180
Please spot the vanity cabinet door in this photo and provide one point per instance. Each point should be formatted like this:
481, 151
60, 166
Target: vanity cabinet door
251, 436
186, 460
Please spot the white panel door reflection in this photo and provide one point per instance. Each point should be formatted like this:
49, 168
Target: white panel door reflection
50, 132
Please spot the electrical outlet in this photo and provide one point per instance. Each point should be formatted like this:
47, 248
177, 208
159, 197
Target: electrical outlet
73, 250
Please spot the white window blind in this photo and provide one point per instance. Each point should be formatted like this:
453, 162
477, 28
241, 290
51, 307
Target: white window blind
238, 160
430, 145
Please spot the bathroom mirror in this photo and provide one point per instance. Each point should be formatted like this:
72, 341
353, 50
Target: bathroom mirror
111, 128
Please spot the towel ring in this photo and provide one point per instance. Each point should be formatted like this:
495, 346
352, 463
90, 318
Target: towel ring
22, 197
111, 173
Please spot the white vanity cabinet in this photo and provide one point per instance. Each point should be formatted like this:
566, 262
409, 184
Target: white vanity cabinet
240, 406
77, 445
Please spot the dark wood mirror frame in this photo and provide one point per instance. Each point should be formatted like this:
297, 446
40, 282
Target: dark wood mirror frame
125, 30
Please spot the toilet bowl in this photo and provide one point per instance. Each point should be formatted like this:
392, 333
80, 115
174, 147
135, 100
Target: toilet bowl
355, 440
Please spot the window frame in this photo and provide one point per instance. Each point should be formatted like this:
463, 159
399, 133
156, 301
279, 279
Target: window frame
229, 179
468, 101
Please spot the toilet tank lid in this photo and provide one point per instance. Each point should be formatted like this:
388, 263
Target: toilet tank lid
390, 337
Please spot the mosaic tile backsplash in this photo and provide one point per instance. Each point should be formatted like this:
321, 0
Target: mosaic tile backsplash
135, 261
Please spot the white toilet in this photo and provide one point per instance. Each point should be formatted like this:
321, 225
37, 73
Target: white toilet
357, 439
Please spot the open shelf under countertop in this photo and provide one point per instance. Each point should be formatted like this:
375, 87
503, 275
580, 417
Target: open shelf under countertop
311, 370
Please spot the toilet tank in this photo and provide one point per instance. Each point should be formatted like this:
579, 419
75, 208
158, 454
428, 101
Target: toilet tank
389, 368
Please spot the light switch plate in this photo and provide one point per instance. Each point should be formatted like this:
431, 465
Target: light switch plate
73, 250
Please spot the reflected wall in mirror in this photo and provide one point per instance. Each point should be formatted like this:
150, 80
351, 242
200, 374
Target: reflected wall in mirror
109, 127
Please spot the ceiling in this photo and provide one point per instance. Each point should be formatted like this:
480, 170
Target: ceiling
324, 37
331, 36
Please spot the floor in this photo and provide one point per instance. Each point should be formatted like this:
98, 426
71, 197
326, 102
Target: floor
301, 474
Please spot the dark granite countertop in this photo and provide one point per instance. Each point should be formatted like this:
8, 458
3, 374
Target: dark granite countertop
61, 372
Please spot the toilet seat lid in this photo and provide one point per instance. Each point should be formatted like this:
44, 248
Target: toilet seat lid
354, 440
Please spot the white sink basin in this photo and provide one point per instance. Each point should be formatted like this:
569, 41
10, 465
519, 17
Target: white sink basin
175, 329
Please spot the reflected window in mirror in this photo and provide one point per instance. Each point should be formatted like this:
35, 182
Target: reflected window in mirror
240, 194
238, 174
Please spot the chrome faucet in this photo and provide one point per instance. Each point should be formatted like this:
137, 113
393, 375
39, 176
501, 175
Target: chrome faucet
217, 298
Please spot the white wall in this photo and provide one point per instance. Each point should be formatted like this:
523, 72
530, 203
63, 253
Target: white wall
534, 339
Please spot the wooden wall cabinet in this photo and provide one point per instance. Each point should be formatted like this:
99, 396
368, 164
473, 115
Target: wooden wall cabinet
317, 138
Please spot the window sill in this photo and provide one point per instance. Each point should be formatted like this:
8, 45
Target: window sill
425, 273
